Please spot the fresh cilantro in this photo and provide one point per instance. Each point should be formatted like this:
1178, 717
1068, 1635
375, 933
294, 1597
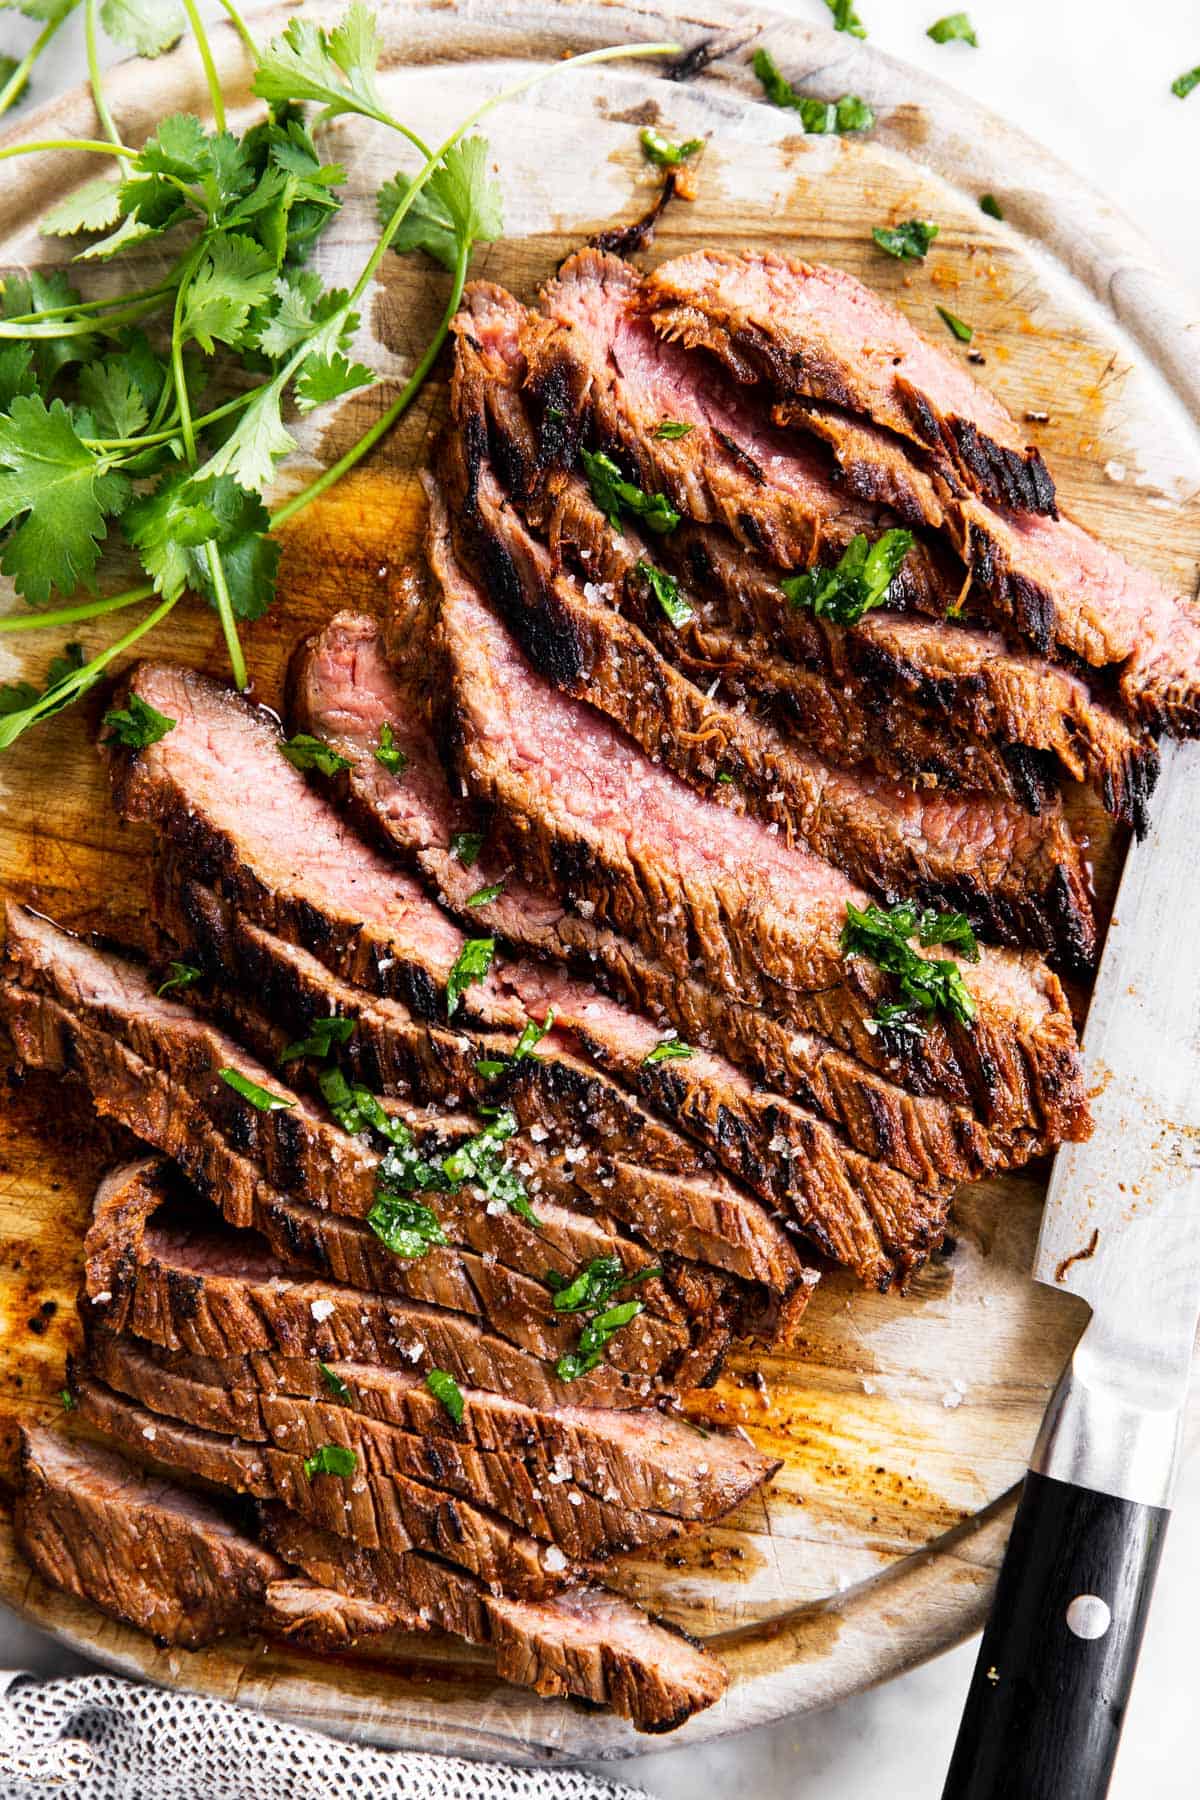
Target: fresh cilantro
93, 207
485, 895
259, 1097
1183, 84
963, 332
666, 591
725, 778
845, 18
909, 241
171, 525
466, 845
136, 724
668, 1049
817, 116
929, 984
147, 27
180, 975
953, 929
860, 580
333, 1381
322, 378
61, 492
234, 275
594, 1340
357, 1110
459, 206
955, 28
989, 204
671, 429
331, 1459
69, 1402
471, 965
388, 752
305, 752
531, 1036
21, 705
409, 1228
322, 1038
612, 492
443, 1387
658, 149
480, 1161
594, 1284
336, 68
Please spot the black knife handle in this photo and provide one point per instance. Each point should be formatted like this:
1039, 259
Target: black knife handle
1046, 1705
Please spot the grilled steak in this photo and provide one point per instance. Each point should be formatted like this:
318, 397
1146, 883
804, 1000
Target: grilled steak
586, 1641
595, 367
818, 334
380, 1512
343, 690
588, 816
166, 1561
1019, 879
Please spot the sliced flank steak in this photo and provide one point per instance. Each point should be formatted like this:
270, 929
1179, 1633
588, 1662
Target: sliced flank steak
168, 1561
630, 1459
1019, 879
816, 333
381, 1512
588, 816
344, 689
587, 1641
598, 373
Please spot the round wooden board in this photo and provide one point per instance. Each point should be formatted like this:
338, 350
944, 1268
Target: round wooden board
903, 1422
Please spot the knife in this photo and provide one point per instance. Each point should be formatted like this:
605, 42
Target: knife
1121, 1229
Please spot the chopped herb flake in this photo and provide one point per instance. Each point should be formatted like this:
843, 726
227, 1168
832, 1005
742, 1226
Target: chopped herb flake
331, 1459
671, 429
612, 492
307, 752
594, 1339
658, 149
594, 1284
470, 966
930, 984
409, 1228
725, 778
389, 753
989, 204
259, 1097
485, 895
69, 1402
1183, 84
817, 116
909, 241
531, 1036
135, 724
357, 1110
845, 18
955, 28
181, 975
323, 1036
490, 1066
443, 1387
860, 580
481, 1162
466, 845
666, 591
668, 1049
962, 331
337, 1387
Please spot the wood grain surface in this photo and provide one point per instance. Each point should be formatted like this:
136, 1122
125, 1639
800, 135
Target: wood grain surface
903, 1422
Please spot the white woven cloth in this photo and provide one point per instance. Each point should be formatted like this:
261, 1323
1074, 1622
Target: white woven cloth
96, 1737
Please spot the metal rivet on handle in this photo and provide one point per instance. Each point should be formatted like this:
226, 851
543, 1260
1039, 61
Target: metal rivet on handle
1088, 1616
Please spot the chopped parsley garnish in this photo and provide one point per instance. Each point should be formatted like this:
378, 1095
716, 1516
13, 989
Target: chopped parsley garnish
859, 581
955, 28
306, 752
480, 1161
443, 1387
666, 591
1183, 84
817, 116
466, 845
909, 241
136, 724
989, 204
260, 1097
323, 1036
531, 1036
357, 1110
337, 1387
470, 966
485, 895
962, 331
68, 1399
331, 1459
594, 1284
845, 18
658, 149
408, 1227
668, 1049
389, 753
594, 1340
612, 493
181, 975
927, 984
671, 429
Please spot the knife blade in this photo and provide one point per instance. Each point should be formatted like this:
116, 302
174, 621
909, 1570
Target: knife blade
1121, 1229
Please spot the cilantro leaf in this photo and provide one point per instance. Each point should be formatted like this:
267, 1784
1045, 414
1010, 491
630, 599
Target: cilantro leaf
336, 68
443, 1387
459, 205
930, 984
147, 27
113, 396
471, 965
323, 378
427, 225
17, 375
859, 581
465, 846
333, 1381
1182, 85
180, 975
817, 116
595, 1283
136, 724
250, 453
93, 207
671, 429
300, 303
61, 491
170, 526
306, 752
845, 18
388, 753
665, 589
594, 1339
612, 492
668, 1049
660, 150
909, 241
331, 1459
323, 1036
409, 1228
485, 895
261, 1098
42, 292
989, 204
955, 28
234, 275
958, 327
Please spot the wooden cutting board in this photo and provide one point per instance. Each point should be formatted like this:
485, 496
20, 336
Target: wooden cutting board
903, 1422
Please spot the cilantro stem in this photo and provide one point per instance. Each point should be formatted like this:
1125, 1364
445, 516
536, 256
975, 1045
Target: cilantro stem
237, 660
13, 724
14, 87
240, 26
160, 291
64, 328
107, 124
73, 615
89, 144
399, 405
210, 68
146, 439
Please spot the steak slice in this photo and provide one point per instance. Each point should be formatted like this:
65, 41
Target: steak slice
1020, 880
380, 1512
166, 1561
586, 1641
587, 815
647, 1459
596, 368
586, 1526
344, 690
818, 334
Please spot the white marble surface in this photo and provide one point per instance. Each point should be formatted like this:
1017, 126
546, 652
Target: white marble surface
1091, 80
